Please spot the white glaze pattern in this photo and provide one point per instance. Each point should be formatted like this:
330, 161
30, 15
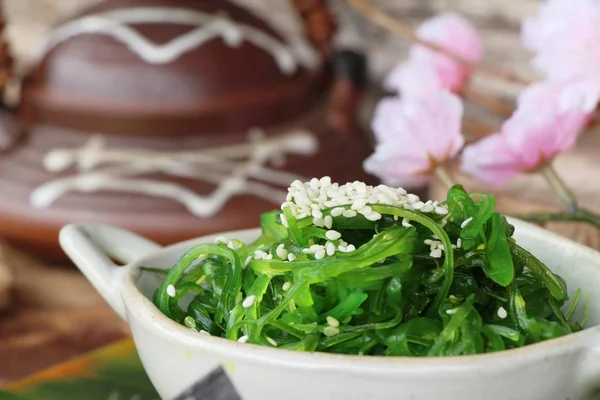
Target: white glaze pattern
116, 23
228, 167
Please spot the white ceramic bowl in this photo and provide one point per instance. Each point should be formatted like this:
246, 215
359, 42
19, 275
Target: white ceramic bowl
176, 358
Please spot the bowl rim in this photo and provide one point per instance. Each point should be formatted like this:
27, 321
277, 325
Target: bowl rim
138, 305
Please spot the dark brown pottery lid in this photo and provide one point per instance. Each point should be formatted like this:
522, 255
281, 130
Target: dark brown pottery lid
200, 144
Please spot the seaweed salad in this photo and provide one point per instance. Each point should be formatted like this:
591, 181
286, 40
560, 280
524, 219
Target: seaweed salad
363, 270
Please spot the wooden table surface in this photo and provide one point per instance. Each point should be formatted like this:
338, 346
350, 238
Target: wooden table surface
54, 314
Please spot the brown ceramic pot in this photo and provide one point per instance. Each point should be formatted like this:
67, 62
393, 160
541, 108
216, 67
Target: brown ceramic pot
174, 119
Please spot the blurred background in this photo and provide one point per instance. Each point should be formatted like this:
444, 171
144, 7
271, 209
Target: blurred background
48, 311
498, 21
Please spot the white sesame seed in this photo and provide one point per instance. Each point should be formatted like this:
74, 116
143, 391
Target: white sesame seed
221, 239
202, 331
502, 314
342, 248
330, 249
406, 223
248, 301
373, 216
284, 221
313, 197
171, 291
243, 339
333, 235
270, 340
331, 331
418, 205
427, 208
336, 212
358, 204
233, 245
434, 244
437, 253
350, 248
366, 210
286, 286
291, 257
319, 255
428, 241
281, 251
466, 222
325, 181
331, 321
328, 221
269, 257
349, 213
451, 311
459, 243
343, 243
189, 322
318, 222
441, 210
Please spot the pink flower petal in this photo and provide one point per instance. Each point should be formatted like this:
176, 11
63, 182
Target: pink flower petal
456, 35
411, 134
413, 80
564, 37
549, 119
428, 71
490, 160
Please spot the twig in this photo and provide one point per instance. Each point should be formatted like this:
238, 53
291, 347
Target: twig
581, 215
389, 23
560, 188
442, 175
494, 105
477, 129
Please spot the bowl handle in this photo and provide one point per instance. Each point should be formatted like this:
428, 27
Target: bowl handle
93, 247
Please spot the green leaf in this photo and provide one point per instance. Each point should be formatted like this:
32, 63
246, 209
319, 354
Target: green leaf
460, 204
271, 227
500, 267
483, 210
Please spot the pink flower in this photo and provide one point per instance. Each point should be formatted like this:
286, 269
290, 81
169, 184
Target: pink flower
413, 137
564, 37
549, 118
432, 69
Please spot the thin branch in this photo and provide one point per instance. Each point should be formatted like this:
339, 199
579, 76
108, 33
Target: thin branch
477, 129
494, 105
581, 215
560, 188
389, 23
442, 175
